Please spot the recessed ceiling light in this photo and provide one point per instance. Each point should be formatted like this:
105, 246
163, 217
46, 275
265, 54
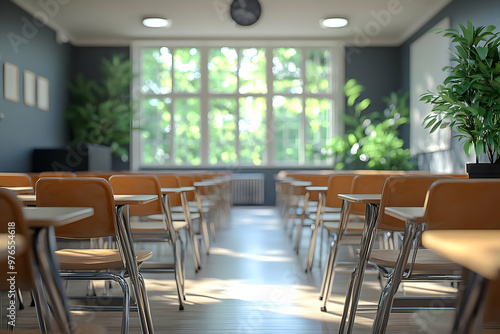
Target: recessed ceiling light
156, 22
333, 22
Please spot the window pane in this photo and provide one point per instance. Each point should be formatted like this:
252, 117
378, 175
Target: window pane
222, 70
287, 71
252, 127
318, 113
187, 131
156, 128
318, 71
187, 70
222, 125
253, 71
287, 122
156, 70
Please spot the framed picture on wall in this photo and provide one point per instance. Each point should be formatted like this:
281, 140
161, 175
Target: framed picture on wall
42, 93
29, 93
11, 82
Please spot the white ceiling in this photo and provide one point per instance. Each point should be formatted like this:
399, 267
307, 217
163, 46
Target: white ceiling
118, 22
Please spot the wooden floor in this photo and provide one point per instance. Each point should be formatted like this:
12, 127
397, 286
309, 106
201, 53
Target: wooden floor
253, 282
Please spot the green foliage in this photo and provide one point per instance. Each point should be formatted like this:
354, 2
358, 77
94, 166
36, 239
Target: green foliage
371, 141
99, 112
468, 101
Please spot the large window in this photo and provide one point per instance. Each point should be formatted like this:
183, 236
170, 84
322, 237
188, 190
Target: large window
233, 106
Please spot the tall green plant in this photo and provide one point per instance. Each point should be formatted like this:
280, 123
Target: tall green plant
99, 111
371, 141
469, 98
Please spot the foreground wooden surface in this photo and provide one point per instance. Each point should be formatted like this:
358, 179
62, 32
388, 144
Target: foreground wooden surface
252, 282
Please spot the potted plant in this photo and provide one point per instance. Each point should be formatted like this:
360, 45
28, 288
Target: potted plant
468, 101
371, 140
99, 111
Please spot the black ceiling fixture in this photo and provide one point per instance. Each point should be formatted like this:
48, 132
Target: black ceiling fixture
245, 12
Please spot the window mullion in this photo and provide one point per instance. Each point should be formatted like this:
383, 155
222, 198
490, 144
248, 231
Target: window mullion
204, 107
270, 138
302, 134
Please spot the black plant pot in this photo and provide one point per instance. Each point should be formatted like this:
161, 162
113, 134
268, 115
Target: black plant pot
483, 170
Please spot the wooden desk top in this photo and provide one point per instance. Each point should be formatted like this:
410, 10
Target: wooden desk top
415, 214
361, 198
119, 199
134, 199
316, 188
176, 190
54, 216
477, 250
19, 190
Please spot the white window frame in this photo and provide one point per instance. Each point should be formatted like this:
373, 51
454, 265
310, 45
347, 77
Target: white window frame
337, 95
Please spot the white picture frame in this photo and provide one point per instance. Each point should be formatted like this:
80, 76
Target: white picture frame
29, 91
11, 82
42, 93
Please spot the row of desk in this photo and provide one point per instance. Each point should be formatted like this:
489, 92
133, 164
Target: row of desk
478, 251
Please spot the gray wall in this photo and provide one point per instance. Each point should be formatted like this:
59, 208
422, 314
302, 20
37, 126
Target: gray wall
31, 46
480, 12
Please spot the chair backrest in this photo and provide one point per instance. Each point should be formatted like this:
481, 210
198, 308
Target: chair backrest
463, 204
104, 175
401, 191
15, 180
171, 181
367, 184
94, 193
131, 184
338, 184
187, 181
316, 180
57, 174
11, 215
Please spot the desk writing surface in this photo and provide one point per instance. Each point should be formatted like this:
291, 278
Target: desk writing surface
316, 188
134, 199
27, 199
361, 198
19, 189
477, 250
176, 190
54, 216
415, 214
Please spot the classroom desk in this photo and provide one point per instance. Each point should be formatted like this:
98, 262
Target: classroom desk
122, 203
321, 191
479, 252
43, 221
126, 241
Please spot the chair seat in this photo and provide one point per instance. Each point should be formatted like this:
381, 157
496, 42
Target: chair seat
95, 259
193, 208
154, 226
426, 261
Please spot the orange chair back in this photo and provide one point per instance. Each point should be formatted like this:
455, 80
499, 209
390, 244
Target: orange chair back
11, 213
187, 181
463, 204
319, 180
15, 180
57, 174
131, 184
338, 184
367, 184
94, 193
401, 191
171, 181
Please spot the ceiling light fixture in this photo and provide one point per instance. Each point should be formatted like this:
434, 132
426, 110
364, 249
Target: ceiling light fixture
156, 22
333, 22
